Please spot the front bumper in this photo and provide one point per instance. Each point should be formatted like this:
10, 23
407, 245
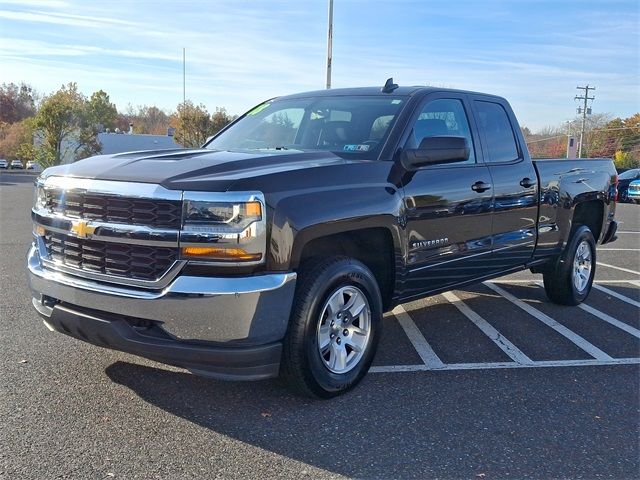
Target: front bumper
211, 319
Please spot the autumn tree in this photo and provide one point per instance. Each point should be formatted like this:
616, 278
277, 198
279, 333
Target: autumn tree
17, 102
12, 138
193, 124
149, 120
219, 120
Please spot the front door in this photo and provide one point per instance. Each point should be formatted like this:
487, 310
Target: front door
448, 206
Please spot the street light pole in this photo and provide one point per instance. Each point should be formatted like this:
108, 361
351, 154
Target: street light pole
329, 43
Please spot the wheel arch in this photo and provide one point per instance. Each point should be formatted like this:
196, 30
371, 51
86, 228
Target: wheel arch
377, 247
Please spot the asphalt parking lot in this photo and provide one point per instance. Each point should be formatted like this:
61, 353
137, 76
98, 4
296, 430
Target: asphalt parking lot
491, 381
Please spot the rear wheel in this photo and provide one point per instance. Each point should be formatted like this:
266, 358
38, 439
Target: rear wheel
569, 281
334, 328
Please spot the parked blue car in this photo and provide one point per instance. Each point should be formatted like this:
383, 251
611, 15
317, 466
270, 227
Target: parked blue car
633, 193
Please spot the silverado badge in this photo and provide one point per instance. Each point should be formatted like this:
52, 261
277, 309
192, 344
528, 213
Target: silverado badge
82, 229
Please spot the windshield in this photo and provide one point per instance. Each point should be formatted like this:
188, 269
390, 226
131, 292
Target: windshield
350, 126
628, 174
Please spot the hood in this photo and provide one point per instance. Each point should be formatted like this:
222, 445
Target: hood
193, 169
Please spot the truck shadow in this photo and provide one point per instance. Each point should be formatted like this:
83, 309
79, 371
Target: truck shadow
384, 429
366, 433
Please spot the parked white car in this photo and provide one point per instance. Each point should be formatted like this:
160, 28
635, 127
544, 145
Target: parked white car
17, 164
4, 164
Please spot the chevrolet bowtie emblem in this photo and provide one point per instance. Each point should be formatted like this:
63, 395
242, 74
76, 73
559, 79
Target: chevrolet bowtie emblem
82, 229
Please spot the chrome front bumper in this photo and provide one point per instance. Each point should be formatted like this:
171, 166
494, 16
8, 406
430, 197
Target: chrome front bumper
250, 310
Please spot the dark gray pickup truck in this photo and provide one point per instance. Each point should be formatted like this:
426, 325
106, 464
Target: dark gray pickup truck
276, 248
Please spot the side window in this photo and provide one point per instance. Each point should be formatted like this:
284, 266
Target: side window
445, 116
494, 122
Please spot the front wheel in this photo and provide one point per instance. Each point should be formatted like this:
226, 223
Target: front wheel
334, 328
569, 281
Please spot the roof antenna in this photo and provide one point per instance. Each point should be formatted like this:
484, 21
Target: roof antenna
389, 86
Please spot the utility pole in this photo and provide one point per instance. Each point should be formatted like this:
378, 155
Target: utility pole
584, 110
184, 77
568, 136
329, 44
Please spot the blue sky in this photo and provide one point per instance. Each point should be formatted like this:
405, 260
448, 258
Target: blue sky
241, 52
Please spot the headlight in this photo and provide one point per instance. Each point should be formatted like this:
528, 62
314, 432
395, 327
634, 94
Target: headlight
39, 197
221, 217
217, 230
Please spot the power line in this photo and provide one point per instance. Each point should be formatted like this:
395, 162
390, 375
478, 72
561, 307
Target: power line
592, 130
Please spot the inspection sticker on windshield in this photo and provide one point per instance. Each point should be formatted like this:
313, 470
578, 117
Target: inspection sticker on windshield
258, 109
356, 148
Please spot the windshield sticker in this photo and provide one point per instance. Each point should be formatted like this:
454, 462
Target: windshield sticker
395, 102
356, 148
258, 109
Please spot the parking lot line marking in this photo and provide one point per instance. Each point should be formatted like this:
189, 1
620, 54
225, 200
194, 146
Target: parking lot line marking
609, 319
500, 340
426, 353
618, 249
618, 268
518, 281
608, 291
588, 347
626, 231
499, 365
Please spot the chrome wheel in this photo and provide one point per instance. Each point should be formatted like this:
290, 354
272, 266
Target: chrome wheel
344, 329
582, 265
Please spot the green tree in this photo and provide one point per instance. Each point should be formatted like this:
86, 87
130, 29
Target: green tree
193, 124
64, 127
101, 111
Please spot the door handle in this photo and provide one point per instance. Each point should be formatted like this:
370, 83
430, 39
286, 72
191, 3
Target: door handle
527, 182
480, 187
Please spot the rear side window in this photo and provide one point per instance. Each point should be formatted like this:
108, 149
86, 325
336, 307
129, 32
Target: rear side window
494, 122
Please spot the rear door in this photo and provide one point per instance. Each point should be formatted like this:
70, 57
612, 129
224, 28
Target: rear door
448, 207
514, 181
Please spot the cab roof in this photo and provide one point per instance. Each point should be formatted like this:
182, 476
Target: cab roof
376, 91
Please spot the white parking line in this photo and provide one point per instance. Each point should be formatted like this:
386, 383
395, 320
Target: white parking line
588, 347
618, 268
498, 365
426, 353
627, 231
500, 340
610, 292
609, 319
518, 281
619, 249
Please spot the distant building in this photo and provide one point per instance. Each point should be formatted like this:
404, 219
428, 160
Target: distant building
119, 143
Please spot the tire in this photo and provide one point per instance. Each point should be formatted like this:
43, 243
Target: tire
322, 359
569, 281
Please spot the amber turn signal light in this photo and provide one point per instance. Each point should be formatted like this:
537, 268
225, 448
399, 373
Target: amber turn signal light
223, 254
253, 209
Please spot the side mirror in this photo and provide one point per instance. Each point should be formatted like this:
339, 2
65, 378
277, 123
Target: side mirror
435, 150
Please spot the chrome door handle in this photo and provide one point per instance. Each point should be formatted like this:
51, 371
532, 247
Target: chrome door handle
527, 182
480, 187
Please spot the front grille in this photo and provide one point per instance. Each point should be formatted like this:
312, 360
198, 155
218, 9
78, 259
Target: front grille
117, 259
115, 209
